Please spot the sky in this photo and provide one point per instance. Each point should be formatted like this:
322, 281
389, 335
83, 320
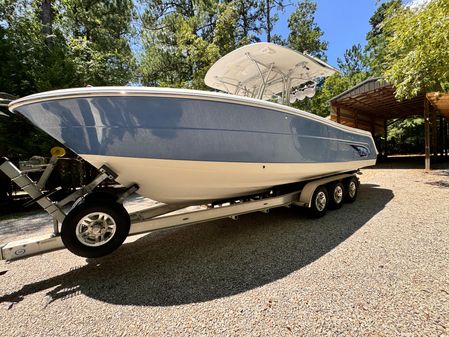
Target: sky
344, 23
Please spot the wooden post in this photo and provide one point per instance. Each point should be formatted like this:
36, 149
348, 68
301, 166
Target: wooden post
440, 136
356, 119
385, 137
427, 134
446, 145
433, 123
445, 142
338, 114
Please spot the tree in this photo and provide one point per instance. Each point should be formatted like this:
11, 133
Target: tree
416, 54
377, 37
305, 35
57, 44
354, 61
26, 55
406, 135
183, 38
48, 45
267, 18
249, 27
98, 37
30, 54
353, 70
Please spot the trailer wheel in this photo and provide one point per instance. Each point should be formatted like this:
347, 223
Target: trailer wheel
336, 195
351, 187
319, 203
95, 228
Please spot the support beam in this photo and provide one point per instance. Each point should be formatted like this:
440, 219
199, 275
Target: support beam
440, 136
443, 136
385, 137
446, 142
433, 124
427, 134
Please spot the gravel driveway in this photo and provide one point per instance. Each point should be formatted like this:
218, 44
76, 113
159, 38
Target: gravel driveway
378, 267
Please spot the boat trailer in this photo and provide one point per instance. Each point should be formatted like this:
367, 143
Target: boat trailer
97, 223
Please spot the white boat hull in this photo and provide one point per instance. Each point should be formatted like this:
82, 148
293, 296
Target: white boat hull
183, 181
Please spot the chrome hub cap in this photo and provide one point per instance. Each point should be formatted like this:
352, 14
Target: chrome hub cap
338, 194
95, 229
352, 188
320, 201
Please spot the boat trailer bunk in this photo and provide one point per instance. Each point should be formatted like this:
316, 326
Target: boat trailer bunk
97, 223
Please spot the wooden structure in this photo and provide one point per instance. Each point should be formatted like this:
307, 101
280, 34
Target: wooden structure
371, 105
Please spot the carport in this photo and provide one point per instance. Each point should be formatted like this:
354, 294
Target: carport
372, 106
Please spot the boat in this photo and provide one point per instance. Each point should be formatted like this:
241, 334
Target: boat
189, 146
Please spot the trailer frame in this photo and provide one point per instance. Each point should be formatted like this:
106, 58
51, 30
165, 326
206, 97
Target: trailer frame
148, 220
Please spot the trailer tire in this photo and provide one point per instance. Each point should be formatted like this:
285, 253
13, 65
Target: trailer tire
351, 187
95, 228
336, 195
319, 202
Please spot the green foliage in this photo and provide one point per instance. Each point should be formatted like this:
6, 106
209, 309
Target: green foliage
354, 61
76, 42
377, 36
84, 42
406, 136
98, 35
354, 69
183, 39
28, 63
249, 26
416, 54
305, 35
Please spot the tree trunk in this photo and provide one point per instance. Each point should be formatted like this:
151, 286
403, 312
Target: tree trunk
268, 22
46, 17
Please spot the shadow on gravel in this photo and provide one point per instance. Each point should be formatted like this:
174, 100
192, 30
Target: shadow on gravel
440, 183
212, 260
23, 223
415, 162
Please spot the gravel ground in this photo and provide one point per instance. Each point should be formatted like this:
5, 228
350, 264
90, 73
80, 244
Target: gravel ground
378, 267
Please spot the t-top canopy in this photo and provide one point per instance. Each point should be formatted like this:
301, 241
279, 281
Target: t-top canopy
262, 70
